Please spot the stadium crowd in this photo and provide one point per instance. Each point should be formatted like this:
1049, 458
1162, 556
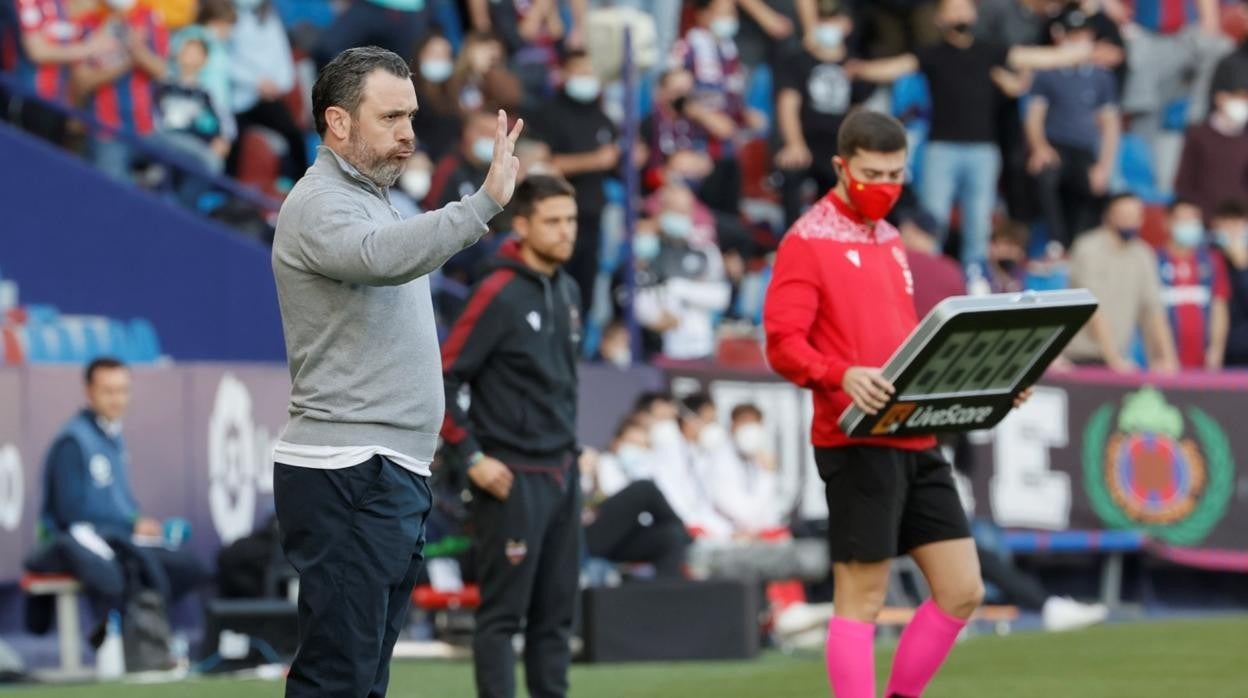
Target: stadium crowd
1096, 143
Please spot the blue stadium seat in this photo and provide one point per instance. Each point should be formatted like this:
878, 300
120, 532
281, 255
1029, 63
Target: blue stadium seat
647, 85
318, 13
1136, 167
144, 346
118, 341
911, 98
759, 94
1174, 115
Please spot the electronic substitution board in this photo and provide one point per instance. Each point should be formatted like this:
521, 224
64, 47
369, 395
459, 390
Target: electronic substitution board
962, 367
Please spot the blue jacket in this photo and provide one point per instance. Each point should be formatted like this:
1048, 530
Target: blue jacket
87, 479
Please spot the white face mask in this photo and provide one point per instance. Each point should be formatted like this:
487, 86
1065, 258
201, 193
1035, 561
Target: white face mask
829, 36
483, 150
437, 72
121, 5
712, 438
724, 27
632, 458
665, 432
620, 359
750, 438
1236, 111
583, 88
416, 183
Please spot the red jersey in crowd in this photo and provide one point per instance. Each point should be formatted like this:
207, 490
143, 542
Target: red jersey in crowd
841, 295
129, 101
50, 20
1189, 284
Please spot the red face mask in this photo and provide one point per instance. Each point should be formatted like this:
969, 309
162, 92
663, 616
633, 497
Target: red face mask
871, 199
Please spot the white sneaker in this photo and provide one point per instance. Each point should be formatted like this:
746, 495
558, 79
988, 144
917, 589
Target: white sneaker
801, 617
1064, 613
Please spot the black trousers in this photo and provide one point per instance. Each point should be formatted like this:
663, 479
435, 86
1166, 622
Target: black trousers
638, 525
820, 172
1019, 587
356, 536
1067, 203
586, 256
274, 116
528, 565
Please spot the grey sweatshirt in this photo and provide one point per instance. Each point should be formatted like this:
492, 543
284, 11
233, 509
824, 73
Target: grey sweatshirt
353, 286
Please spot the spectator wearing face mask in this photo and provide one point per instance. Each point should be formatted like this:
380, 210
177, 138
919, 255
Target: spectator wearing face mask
616, 346
439, 121
681, 446
583, 142
457, 175
815, 92
744, 488
679, 123
709, 52
1214, 164
628, 518
413, 185
1121, 271
1007, 258
1194, 289
683, 288
464, 170
1230, 230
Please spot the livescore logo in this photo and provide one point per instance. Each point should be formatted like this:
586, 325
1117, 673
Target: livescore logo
909, 415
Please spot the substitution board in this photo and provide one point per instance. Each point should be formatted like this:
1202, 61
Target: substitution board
962, 367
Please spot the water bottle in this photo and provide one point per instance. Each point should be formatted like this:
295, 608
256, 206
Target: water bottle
110, 659
179, 649
977, 281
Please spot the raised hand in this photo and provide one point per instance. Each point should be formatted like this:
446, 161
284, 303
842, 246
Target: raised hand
500, 181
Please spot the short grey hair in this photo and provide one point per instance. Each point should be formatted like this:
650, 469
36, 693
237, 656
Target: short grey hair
341, 83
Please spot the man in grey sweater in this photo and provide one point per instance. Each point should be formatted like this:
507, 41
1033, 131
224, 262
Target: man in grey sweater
366, 399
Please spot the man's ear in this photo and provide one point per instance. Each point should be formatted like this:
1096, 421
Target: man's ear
520, 226
338, 121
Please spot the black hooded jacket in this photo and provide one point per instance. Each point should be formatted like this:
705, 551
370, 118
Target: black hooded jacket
515, 347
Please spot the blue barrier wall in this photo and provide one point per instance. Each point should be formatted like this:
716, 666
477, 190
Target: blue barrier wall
73, 239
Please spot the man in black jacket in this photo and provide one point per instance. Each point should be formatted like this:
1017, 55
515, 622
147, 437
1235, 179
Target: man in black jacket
514, 349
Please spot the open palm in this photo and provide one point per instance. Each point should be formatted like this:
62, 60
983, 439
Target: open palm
500, 181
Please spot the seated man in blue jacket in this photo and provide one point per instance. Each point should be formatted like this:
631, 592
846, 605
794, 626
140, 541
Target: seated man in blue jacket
90, 518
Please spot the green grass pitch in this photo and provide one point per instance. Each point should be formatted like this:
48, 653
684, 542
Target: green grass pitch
1205, 658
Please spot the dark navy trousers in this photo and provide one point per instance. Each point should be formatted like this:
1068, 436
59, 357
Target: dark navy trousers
356, 536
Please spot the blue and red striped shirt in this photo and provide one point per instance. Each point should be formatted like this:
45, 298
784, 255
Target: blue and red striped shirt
1163, 16
129, 101
1189, 283
50, 20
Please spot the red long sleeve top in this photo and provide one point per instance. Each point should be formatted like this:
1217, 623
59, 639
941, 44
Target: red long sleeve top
841, 295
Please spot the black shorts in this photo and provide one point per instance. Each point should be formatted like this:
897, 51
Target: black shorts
884, 502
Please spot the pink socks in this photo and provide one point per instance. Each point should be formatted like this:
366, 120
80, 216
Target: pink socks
851, 658
925, 643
